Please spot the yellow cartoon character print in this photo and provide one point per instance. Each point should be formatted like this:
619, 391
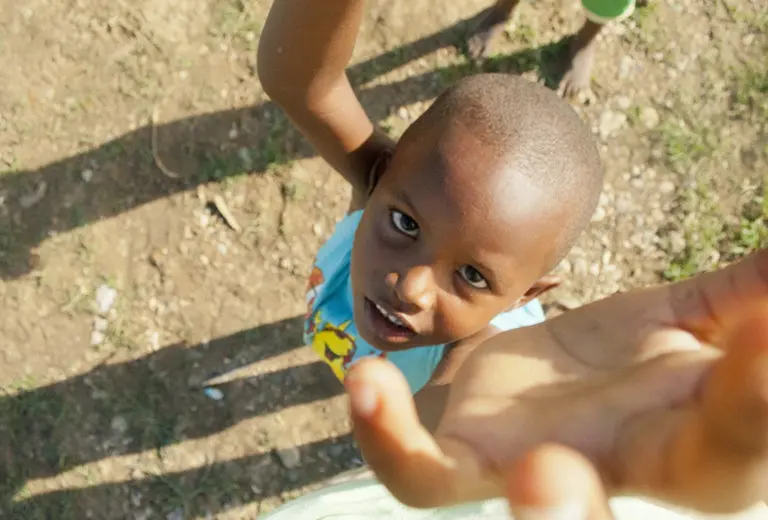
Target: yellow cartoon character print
334, 346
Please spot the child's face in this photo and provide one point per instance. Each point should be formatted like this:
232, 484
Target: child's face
449, 239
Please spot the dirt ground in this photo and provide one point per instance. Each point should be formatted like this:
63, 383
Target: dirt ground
122, 288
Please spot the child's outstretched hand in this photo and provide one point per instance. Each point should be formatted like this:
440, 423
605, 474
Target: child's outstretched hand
625, 382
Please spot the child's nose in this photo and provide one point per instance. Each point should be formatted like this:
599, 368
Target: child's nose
415, 287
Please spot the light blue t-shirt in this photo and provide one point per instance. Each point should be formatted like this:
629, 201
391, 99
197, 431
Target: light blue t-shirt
330, 328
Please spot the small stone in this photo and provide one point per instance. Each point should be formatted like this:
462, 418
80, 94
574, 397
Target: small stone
336, 450
580, 267
176, 514
97, 338
676, 242
748, 39
105, 298
222, 249
403, 114
153, 341
86, 175
599, 214
245, 158
666, 187
610, 122
289, 457
625, 66
233, 133
100, 324
119, 424
568, 301
205, 260
317, 229
285, 263
649, 117
594, 269
623, 102
214, 393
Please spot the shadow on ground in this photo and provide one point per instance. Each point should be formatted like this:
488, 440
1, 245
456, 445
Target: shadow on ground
47, 430
129, 177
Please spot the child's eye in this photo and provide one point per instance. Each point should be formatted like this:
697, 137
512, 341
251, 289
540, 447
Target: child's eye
473, 277
404, 224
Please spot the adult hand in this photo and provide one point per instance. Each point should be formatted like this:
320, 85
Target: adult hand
630, 382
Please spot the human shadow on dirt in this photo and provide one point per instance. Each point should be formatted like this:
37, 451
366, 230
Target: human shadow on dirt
125, 174
154, 402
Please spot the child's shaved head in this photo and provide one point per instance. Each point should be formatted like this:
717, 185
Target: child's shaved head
538, 132
484, 194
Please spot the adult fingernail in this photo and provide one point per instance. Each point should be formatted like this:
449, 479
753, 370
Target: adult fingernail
363, 398
572, 511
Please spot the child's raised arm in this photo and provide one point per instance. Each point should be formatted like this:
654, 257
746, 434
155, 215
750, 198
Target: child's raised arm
304, 49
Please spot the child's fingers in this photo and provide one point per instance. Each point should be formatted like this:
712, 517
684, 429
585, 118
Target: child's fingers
552, 482
714, 456
405, 457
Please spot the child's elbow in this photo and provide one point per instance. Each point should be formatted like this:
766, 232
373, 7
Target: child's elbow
267, 73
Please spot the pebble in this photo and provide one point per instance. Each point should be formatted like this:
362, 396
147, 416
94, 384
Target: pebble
623, 102
285, 263
676, 242
336, 450
100, 324
245, 158
233, 133
569, 301
599, 214
317, 229
610, 122
119, 424
176, 514
666, 187
625, 66
402, 113
97, 338
86, 175
649, 117
289, 457
214, 393
105, 298
580, 267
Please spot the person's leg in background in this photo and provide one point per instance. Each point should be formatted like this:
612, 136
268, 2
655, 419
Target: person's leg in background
582, 48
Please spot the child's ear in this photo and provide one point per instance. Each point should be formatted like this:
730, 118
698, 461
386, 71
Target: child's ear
377, 170
542, 285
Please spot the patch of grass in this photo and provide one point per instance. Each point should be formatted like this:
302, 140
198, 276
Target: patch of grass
752, 232
644, 15
31, 426
213, 484
709, 241
216, 167
750, 91
271, 152
235, 21
686, 142
148, 412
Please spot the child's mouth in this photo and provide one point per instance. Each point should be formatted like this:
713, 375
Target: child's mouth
386, 325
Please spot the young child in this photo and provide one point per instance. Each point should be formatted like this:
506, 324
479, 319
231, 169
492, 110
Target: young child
484, 194
582, 48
